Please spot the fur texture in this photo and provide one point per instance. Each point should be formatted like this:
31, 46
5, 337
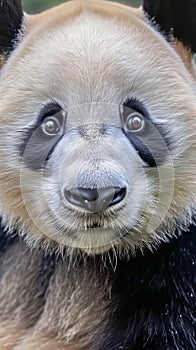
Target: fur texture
123, 277
175, 17
11, 16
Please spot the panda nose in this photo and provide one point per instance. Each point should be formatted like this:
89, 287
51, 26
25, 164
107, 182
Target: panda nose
95, 200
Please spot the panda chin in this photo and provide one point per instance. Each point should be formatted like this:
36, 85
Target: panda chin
94, 240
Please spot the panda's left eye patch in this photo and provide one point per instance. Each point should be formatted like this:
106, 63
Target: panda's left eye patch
147, 135
43, 136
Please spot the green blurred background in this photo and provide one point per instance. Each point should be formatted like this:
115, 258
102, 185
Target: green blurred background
34, 6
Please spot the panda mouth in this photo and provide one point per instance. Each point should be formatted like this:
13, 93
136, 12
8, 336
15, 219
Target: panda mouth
93, 225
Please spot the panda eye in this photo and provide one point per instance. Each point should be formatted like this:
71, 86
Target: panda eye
135, 122
50, 126
134, 116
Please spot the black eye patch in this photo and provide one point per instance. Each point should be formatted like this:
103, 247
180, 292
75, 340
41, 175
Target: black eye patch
36, 148
152, 143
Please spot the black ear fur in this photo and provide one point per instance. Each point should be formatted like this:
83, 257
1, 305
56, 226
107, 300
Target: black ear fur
174, 16
11, 16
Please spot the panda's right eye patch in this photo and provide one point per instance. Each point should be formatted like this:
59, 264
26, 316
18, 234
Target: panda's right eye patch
43, 136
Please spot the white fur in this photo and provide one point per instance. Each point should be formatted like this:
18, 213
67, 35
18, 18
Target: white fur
90, 64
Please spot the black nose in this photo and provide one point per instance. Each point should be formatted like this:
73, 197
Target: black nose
95, 200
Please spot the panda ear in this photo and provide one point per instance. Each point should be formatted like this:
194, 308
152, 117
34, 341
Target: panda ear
177, 17
11, 16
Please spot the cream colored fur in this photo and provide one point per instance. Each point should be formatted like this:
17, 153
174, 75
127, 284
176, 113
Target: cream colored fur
79, 53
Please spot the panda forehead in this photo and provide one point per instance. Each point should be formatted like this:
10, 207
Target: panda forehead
95, 37
118, 26
91, 47
94, 55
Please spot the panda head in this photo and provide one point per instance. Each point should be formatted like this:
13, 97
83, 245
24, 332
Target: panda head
97, 124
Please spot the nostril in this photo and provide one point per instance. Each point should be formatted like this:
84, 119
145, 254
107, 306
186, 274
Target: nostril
119, 195
79, 196
73, 196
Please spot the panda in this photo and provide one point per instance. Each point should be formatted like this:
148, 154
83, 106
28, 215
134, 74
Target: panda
97, 176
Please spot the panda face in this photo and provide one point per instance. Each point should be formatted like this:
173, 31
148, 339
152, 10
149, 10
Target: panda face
96, 135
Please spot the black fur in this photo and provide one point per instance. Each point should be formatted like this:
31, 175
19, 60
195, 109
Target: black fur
152, 143
35, 148
176, 15
152, 296
11, 16
6, 239
153, 299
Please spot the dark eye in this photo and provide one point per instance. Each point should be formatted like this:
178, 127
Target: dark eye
135, 122
51, 121
51, 126
133, 115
